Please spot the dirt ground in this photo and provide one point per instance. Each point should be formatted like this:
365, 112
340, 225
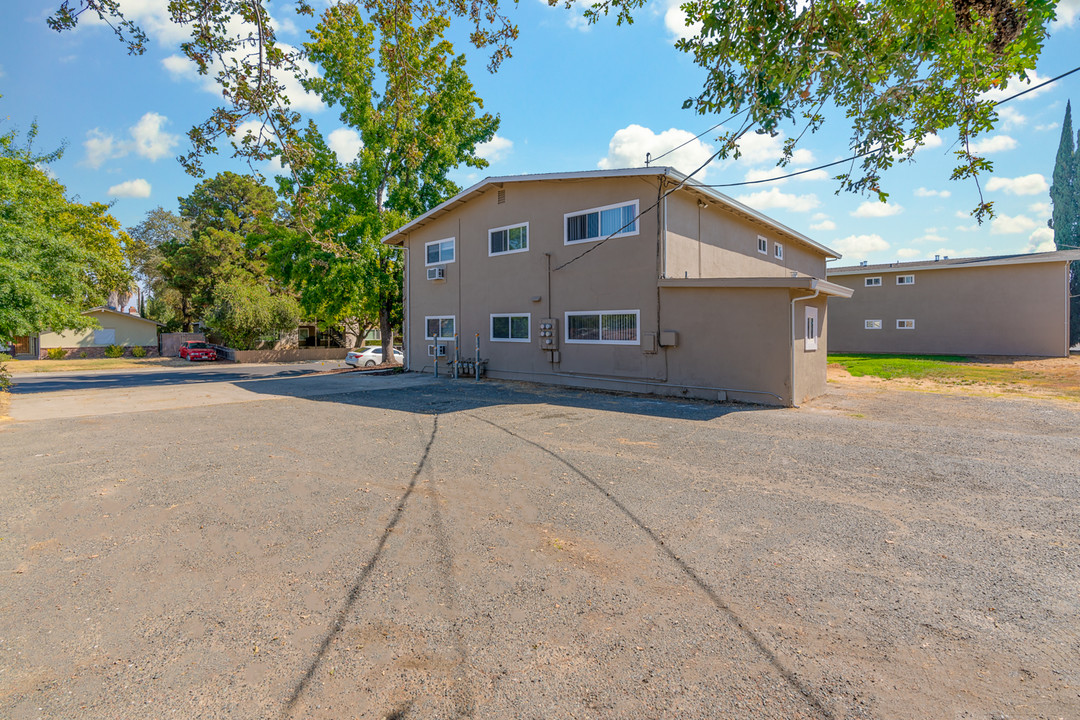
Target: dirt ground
496, 550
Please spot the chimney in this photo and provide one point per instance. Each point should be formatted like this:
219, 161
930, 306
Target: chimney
862, 264
937, 258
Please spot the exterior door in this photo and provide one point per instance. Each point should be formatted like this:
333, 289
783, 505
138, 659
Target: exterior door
22, 345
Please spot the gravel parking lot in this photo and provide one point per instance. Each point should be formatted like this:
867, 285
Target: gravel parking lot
494, 550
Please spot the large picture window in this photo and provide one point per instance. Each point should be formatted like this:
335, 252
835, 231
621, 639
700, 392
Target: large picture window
439, 252
439, 328
609, 327
510, 328
599, 223
510, 239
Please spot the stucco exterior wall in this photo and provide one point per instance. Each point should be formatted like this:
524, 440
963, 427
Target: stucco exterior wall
130, 331
712, 242
995, 310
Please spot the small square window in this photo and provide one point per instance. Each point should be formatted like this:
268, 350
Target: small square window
510, 328
905, 279
872, 282
439, 327
762, 245
871, 324
905, 324
778, 251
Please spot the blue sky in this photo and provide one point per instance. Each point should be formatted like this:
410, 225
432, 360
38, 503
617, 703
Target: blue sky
572, 97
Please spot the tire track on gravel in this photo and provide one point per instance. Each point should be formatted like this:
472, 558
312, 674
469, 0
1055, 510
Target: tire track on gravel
786, 673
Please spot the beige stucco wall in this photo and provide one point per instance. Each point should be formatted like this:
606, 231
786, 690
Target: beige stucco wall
995, 310
130, 331
731, 337
713, 242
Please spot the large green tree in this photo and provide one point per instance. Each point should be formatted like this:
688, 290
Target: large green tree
398, 83
57, 257
222, 212
1065, 196
163, 302
899, 71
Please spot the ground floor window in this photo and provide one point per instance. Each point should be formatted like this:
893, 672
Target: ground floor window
612, 327
872, 324
905, 324
441, 327
510, 328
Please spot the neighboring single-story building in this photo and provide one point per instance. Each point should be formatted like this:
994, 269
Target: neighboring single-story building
117, 328
637, 279
1000, 305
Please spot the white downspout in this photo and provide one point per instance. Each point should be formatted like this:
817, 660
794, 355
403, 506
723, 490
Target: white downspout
791, 336
405, 344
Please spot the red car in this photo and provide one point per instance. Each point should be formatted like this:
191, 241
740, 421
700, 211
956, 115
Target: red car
196, 350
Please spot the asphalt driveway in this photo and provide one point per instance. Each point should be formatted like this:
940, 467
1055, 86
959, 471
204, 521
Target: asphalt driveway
453, 549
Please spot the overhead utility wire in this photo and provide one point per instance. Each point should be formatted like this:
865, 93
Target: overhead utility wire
879, 148
779, 177
682, 145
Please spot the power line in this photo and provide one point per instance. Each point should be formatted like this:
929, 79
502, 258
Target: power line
679, 147
879, 148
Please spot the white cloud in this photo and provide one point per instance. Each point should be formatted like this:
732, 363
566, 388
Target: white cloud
773, 198
629, 146
100, 146
150, 140
950, 253
130, 189
761, 148
675, 22
930, 237
966, 228
857, 247
1042, 240
993, 144
150, 15
1025, 185
1067, 12
495, 149
1009, 118
1041, 208
577, 21
924, 192
1047, 126
1016, 85
346, 144
908, 253
824, 225
1011, 224
876, 209
928, 142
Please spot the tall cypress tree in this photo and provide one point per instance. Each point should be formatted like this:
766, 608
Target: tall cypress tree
1065, 195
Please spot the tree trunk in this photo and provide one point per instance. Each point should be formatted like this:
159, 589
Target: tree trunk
387, 332
185, 314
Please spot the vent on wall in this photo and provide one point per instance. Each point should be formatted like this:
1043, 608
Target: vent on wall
436, 350
502, 196
436, 273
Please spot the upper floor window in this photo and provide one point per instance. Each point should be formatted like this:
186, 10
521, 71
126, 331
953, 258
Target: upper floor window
905, 279
872, 324
600, 223
778, 251
762, 245
509, 239
439, 252
905, 324
872, 282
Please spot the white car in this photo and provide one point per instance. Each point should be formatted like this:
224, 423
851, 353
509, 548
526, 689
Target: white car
370, 357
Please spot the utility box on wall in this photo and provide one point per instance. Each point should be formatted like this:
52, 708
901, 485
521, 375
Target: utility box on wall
669, 338
548, 334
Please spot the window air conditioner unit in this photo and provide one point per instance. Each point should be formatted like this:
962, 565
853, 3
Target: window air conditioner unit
436, 273
436, 350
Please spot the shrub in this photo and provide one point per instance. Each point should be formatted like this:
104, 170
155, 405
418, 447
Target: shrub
5, 378
114, 351
82, 353
4, 357
56, 353
138, 351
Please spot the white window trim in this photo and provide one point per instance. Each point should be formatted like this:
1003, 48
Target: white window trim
439, 242
867, 283
105, 336
569, 313
440, 318
867, 325
508, 227
763, 245
778, 251
905, 320
635, 231
911, 280
811, 330
491, 327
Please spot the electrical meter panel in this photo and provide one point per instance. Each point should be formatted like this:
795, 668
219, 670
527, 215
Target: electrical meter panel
549, 334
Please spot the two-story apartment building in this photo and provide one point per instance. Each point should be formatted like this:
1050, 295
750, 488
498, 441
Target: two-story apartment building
636, 279
999, 305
